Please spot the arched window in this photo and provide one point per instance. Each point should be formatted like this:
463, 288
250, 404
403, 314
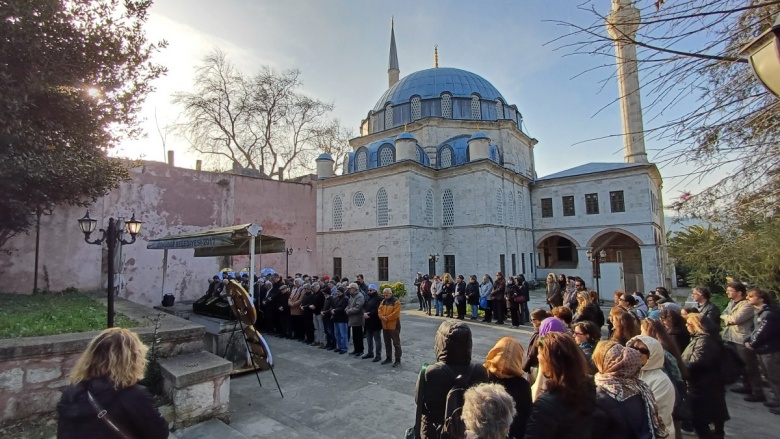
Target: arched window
358, 199
386, 155
388, 116
446, 106
500, 207
499, 109
429, 208
447, 208
446, 156
381, 207
476, 108
361, 160
337, 214
416, 108
511, 209
419, 155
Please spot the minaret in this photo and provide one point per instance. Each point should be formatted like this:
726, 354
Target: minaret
392, 68
622, 24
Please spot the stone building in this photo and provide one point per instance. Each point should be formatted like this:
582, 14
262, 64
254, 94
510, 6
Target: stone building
442, 179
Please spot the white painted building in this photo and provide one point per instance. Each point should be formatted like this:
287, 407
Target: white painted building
442, 179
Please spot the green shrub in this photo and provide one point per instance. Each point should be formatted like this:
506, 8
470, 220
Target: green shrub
399, 289
720, 300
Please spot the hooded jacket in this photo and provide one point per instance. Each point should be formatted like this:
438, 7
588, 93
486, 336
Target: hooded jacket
131, 409
653, 375
452, 346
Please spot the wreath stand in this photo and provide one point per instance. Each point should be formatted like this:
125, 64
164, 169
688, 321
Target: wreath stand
257, 350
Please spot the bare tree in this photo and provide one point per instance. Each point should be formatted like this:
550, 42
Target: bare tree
260, 122
703, 106
334, 140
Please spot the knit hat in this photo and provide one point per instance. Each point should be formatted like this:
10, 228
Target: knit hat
372, 287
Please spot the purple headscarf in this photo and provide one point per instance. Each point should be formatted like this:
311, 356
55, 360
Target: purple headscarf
551, 324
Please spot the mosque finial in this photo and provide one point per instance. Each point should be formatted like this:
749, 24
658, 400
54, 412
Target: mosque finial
405, 127
393, 71
436, 56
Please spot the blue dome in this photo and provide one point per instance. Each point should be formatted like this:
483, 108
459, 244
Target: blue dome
405, 135
479, 135
431, 83
325, 156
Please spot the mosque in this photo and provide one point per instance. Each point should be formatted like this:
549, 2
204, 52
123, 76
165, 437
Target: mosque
442, 179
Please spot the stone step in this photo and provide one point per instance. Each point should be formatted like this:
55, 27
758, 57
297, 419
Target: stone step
213, 428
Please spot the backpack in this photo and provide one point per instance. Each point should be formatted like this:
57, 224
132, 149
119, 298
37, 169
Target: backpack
453, 424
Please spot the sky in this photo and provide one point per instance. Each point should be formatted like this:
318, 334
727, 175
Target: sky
341, 48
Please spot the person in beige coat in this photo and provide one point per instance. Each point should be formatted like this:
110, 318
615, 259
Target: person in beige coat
653, 375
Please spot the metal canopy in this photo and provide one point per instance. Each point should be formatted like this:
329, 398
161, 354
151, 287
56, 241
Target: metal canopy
222, 241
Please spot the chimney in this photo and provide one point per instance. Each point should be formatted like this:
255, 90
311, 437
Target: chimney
281, 173
198, 164
170, 157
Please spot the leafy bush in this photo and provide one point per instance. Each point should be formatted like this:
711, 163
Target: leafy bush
399, 289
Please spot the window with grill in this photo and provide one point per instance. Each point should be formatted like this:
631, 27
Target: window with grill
337, 213
381, 207
499, 109
386, 155
520, 212
511, 209
449, 265
358, 199
616, 201
419, 155
531, 258
522, 261
547, 210
361, 160
448, 208
337, 267
568, 206
591, 204
476, 108
429, 208
383, 268
514, 264
416, 108
500, 206
446, 106
388, 116
502, 264
445, 157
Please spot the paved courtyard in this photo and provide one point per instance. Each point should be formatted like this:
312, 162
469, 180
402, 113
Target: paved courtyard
327, 395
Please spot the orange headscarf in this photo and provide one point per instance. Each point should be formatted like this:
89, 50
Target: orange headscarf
505, 360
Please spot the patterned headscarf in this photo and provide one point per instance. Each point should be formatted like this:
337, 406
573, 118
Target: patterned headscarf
620, 380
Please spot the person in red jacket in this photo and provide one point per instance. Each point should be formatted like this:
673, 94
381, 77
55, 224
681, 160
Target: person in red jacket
105, 378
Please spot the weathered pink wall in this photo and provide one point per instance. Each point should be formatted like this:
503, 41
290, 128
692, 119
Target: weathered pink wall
168, 200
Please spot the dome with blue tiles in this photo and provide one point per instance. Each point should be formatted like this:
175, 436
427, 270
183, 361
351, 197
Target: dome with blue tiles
431, 83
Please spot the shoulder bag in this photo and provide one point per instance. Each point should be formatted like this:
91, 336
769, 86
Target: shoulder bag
103, 415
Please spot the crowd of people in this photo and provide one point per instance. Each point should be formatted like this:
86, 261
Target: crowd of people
327, 312
443, 296
661, 369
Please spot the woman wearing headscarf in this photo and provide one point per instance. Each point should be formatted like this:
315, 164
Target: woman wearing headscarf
548, 325
504, 364
472, 296
625, 406
653, 375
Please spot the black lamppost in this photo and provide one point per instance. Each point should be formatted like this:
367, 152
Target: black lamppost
763, 53
113, 235
433, 258
289, 251
596, 258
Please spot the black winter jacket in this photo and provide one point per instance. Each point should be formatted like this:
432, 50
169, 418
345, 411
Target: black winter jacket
472, 293
520, 391
552, 418
620, 419
339, 307
765, 338
452, 346
131, 409
588, 313
371, 307
706, 389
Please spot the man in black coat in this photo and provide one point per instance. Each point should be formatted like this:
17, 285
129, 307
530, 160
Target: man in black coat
765, 341
460, 297
710, 314
373, 324
453, 354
